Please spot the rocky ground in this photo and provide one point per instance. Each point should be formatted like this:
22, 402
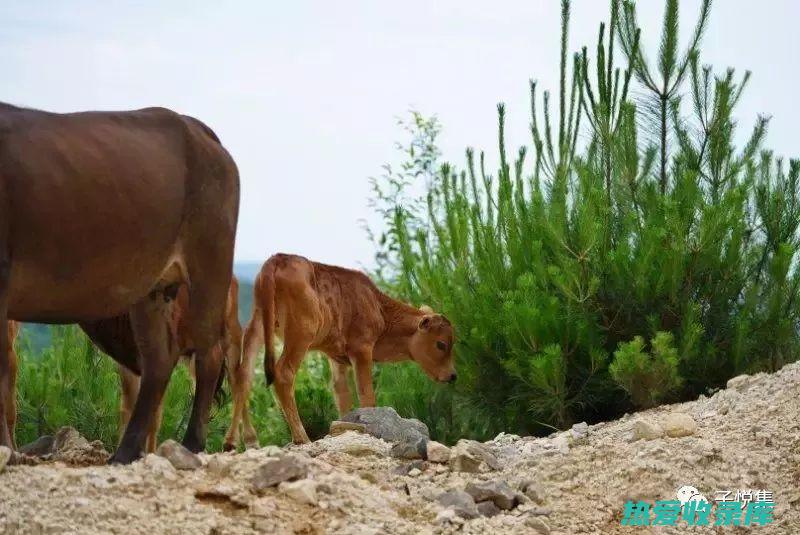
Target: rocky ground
577, 481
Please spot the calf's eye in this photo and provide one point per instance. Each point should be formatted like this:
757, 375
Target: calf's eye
441, 345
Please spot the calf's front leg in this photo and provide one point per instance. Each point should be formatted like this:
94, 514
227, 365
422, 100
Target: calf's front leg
362, 361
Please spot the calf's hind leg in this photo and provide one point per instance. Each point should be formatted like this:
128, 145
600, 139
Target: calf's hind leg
295, 346
5, 361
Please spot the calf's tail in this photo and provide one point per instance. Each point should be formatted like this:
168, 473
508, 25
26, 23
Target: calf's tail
268, 321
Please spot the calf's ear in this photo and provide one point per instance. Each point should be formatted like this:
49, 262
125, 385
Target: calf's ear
424, 323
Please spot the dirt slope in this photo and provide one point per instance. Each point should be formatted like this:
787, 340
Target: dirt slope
746, 437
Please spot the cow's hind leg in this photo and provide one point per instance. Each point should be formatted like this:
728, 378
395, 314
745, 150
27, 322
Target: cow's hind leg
206, 305
148, 320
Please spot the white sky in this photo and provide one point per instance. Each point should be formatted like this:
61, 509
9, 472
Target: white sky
305, 94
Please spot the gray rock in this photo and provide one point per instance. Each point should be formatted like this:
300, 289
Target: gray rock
679, 424
411, 448
178, 455
488, 509
497, 491
385, 423
338, 427
5, 455
40, 447
275, 471
460, 502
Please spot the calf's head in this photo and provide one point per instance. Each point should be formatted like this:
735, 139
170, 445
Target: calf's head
431, 346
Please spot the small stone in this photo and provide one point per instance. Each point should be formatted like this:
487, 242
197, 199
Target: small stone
5, 455
538, 524
160, 466
534, 492
467, 456
302, 490
414, 472
68, 438
460, 502
414, 448
219, 465
497, 491
462, 460
180, 457
446, 516
361, 450
275, 471
561, 443
679, 424
738, 382
338, 427
437, 452
405, 469
579, 431
644, 430
271, 451
488, 509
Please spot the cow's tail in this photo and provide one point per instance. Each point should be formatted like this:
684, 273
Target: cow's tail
268, 320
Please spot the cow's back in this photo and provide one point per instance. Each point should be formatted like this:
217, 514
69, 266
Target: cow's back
94, 205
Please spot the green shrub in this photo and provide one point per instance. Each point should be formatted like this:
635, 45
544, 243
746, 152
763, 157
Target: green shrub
647, 378
625, 217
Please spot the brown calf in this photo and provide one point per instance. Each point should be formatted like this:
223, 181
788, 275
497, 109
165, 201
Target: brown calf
341, 313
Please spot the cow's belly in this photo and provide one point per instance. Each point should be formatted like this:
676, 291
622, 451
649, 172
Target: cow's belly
91, 237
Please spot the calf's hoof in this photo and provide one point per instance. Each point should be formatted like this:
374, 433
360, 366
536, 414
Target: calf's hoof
228, 447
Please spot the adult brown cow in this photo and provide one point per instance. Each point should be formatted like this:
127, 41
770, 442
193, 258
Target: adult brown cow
103, 213
343, 314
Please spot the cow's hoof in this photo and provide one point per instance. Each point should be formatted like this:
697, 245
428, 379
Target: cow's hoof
228, 447
123, 457
194, 446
